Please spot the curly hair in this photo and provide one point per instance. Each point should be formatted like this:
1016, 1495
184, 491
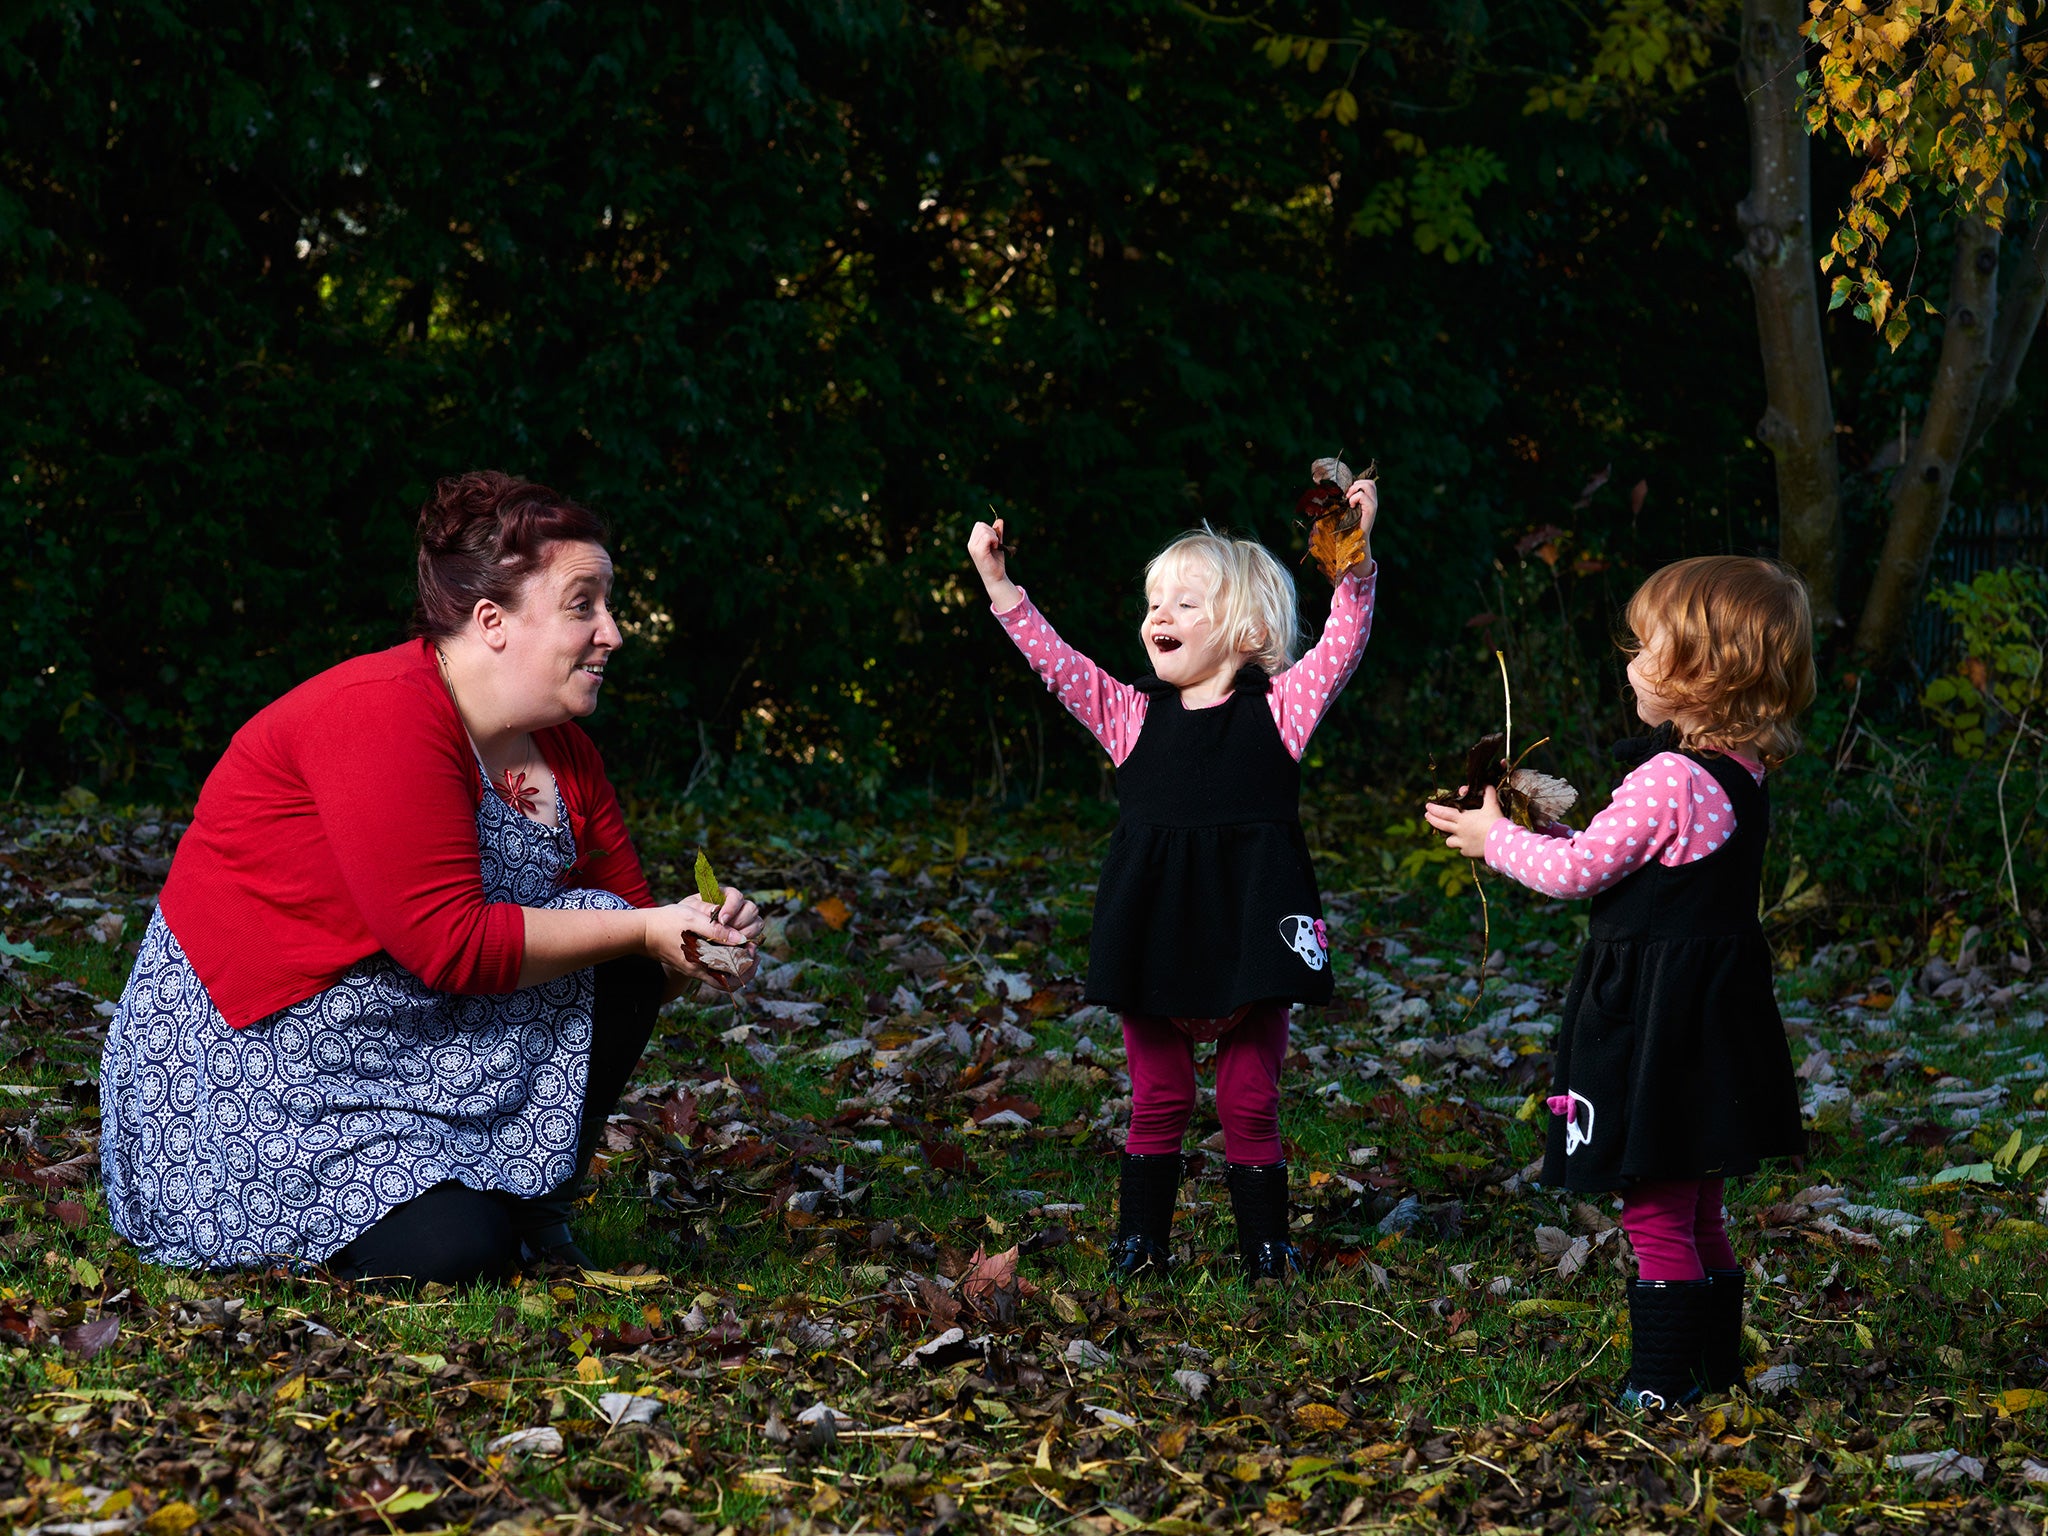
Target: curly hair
1737, 651
480, 536
1251, 595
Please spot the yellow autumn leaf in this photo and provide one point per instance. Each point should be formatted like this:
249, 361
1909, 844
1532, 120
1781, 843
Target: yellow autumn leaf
707, 883
605, 1280
590, 1368
1320, 1418
172, 1519
291, 1389
2020, 1399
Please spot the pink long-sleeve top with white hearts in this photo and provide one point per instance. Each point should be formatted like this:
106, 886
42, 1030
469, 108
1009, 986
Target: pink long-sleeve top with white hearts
1114, 712
1670, 810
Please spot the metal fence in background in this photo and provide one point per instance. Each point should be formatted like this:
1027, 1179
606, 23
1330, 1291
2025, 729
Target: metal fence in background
1974, 540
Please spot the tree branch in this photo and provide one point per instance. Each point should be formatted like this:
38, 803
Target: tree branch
1920, 494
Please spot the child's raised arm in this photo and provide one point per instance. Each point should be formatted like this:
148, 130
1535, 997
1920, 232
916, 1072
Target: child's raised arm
1302, 695
1112, 711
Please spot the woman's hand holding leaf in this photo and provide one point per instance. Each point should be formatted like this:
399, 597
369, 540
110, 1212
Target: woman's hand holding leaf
714, 933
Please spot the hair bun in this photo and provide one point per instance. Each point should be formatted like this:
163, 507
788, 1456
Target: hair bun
480, 535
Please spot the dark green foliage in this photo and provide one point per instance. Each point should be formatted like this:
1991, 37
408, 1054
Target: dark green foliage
791, 293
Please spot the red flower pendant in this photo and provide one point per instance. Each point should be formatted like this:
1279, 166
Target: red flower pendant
518, 794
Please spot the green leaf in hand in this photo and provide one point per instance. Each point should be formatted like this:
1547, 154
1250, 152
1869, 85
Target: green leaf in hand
707, 883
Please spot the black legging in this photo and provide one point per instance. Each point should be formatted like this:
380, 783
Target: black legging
456, 1234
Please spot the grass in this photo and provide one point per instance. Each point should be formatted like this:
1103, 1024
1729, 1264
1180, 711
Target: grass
1436, 1369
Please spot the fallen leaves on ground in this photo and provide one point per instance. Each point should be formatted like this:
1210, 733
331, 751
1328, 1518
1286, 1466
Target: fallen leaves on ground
851, 1226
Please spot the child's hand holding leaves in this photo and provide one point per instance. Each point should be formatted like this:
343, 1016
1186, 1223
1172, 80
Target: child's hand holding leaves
1364, 499
1340, 508
986, 549
1465, 831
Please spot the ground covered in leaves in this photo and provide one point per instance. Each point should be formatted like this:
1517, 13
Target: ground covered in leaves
852, 1227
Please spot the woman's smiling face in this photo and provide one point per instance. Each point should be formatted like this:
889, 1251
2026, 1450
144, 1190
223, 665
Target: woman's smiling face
1179, 631
561, 636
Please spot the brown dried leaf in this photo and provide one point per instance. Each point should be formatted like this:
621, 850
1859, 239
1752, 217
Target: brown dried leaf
730, 964
988, 1272
938, 1304
69, 1174
88, 1339
989, 1108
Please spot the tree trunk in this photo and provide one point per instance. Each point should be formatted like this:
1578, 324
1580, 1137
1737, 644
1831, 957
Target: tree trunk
1920, 494
2019, 316
1777, 224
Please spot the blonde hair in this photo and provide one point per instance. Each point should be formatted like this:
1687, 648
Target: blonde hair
1738, 650
1251, 595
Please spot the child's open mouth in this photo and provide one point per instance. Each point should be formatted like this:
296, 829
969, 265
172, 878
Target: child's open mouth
1165, 643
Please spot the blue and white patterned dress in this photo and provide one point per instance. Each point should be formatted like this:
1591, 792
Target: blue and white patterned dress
283, 1141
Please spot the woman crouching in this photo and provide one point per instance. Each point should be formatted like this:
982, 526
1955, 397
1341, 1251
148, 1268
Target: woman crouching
405, 960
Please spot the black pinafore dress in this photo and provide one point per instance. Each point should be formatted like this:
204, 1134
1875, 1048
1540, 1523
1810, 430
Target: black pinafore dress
1208, 898
1672, 1049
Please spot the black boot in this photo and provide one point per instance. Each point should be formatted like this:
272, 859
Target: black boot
1721, 1354
1667, 1327
627, 994
542, 1226
1148, 1190
1258, 1198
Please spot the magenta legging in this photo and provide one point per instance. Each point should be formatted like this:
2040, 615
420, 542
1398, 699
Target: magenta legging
1675, 1227
1162, 1065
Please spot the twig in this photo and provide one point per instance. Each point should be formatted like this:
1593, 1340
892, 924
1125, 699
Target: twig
1507, 752
1388, 1317
2004, 831
1485, 939
1639, 1440
1575, 1375
1507, 696
1503, 1471
1846, 741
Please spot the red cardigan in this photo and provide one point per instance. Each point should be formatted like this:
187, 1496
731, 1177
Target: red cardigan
342, 821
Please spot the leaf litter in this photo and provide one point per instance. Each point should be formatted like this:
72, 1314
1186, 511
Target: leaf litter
852, 1220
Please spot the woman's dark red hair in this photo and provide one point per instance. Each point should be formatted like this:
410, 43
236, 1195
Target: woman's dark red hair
480, 536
